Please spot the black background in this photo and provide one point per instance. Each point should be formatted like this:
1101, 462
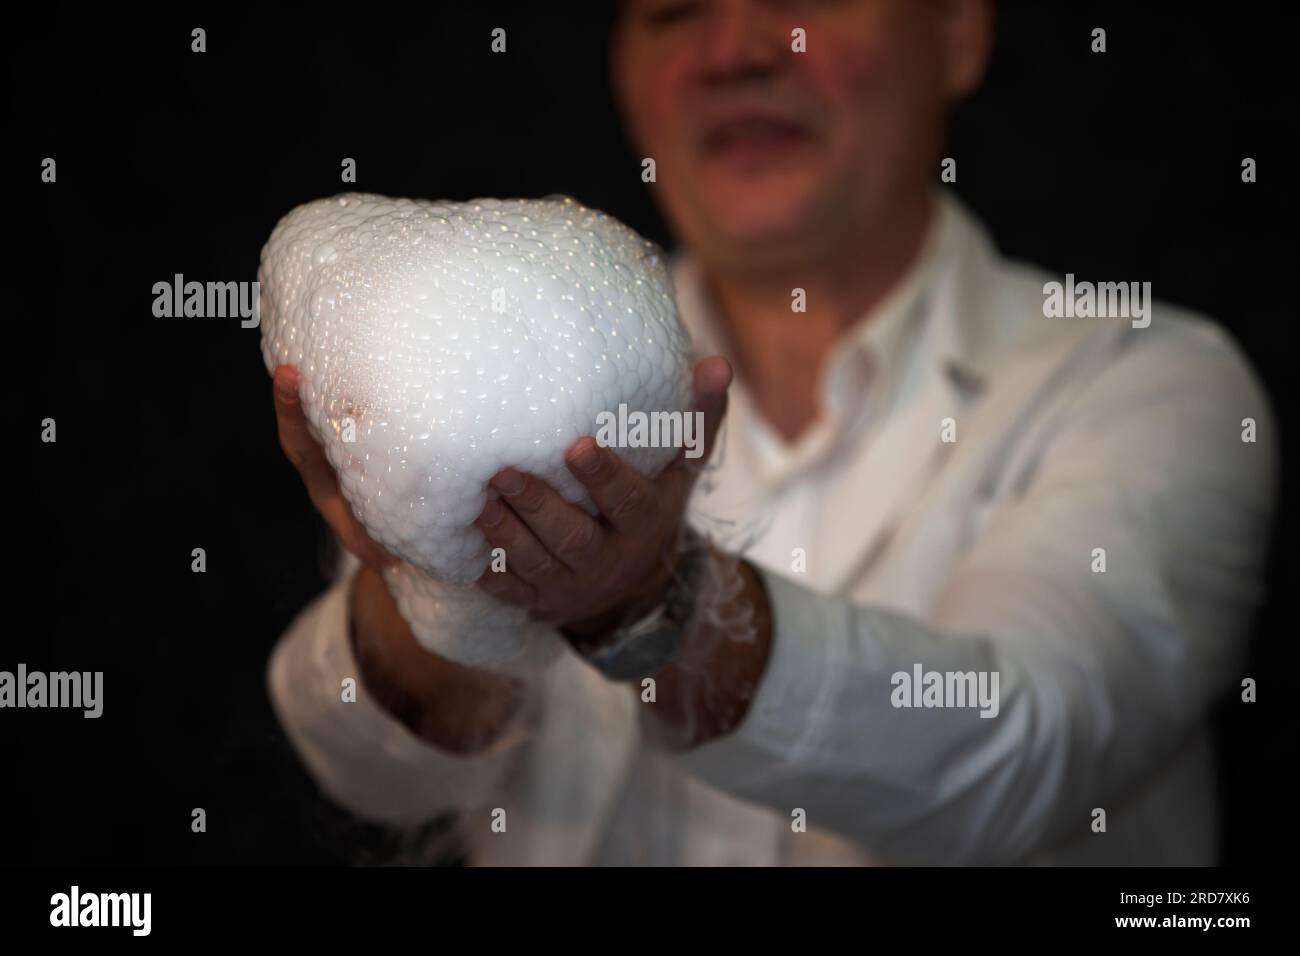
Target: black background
1123, 164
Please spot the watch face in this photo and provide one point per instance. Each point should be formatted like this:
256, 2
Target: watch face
635, 656
650, 644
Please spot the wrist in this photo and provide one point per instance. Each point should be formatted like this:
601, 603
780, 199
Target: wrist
591, 632
457, 708
709, 687
651, 630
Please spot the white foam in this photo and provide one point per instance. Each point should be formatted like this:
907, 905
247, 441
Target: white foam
455, 339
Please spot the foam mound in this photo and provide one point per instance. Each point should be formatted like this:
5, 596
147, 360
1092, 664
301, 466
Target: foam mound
440, 342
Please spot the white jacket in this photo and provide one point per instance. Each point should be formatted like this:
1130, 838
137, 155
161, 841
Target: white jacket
884, 547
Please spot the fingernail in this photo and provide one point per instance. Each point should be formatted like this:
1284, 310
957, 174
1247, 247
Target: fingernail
509, 482
586, 459
492, 514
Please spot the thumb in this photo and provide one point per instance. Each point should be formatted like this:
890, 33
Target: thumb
712, 379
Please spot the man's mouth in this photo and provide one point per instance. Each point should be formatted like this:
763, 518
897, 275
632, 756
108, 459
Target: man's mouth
754, 139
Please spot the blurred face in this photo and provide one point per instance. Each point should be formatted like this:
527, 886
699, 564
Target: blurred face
763, 153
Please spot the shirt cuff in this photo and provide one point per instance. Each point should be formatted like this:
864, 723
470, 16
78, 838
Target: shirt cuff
785, 715
362, 757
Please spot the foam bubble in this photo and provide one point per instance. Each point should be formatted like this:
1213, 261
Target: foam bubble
450, 340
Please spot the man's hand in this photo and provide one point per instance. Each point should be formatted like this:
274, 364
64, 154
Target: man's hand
583, 573
458, 709
306, 455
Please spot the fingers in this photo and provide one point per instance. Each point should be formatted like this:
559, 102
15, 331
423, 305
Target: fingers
624, 497
534, 577
631, 502
507, 587
526, 557
295, 438
307, 456
560, 529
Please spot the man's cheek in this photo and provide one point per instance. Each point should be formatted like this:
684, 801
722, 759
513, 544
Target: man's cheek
667, 134
843, 72
870, 96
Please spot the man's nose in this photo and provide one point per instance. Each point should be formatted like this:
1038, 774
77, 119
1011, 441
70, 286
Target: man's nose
741, 41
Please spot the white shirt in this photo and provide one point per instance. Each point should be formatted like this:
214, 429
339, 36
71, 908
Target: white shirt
882, 547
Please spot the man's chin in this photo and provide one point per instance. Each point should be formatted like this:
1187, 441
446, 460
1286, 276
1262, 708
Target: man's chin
758, 230
771, 199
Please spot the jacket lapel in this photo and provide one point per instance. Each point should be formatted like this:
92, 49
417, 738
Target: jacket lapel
884, 482
960, 342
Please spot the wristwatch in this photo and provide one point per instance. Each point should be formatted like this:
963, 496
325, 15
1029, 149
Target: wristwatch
650, 643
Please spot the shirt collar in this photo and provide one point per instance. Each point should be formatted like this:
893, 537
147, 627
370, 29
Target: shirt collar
971, 331
884, 339
880, 330
933, 321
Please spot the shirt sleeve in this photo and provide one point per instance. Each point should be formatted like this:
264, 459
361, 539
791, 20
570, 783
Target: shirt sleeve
361, 757
1101, 675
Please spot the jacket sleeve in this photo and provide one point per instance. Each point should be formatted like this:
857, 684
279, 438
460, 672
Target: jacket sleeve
1100, 675
361, 757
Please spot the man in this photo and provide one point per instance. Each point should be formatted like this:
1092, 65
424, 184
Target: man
976, 574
